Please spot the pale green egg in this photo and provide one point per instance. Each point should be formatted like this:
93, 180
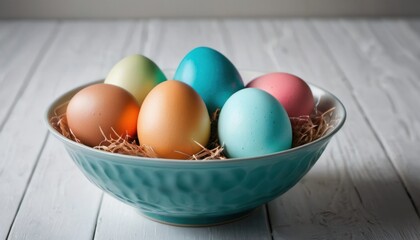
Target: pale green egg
137, 74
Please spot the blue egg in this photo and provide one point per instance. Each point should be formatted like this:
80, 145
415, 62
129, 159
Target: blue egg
253, 123
211, 75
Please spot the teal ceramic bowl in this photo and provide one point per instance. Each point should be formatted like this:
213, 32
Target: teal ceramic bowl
196, 193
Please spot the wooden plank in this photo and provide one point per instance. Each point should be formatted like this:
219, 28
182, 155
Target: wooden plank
248, 45
18, 58
387, 87
58, 203
166, 42
403, 53
345, 194
120, 221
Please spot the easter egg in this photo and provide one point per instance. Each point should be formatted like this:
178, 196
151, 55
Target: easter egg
253, 123
137, 74
102, 110
174, 121
291, 91
211, 74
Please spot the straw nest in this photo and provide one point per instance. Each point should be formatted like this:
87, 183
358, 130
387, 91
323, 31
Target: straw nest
305, 130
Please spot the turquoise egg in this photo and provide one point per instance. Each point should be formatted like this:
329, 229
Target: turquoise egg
253, 123
211, 74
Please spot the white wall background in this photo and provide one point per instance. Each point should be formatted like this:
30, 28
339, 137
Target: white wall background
208, 8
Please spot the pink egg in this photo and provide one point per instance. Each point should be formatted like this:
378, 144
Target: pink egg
291, 91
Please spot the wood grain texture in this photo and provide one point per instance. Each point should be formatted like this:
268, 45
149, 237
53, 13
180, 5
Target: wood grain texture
120, 221
169, 40
248, 46
386, 85
58, 203
374, 180
345, 194
18, 59
401, 137
166, 42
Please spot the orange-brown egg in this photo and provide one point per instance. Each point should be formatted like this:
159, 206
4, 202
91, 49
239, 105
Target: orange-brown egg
172, 120
102, 107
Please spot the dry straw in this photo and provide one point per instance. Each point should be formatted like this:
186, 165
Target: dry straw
59, 122
309, 128
125, 146
305, 130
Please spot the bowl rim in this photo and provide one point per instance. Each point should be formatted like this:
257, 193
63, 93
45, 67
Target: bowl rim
135, 159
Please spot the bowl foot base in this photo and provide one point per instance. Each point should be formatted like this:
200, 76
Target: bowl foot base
199, 221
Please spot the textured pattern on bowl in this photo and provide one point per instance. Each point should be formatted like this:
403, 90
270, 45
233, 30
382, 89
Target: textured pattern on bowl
198, 192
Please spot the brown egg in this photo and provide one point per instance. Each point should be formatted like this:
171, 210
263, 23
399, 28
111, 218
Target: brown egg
102, 106
172, 120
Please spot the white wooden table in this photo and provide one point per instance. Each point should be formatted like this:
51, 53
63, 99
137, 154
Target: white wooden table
365, 186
